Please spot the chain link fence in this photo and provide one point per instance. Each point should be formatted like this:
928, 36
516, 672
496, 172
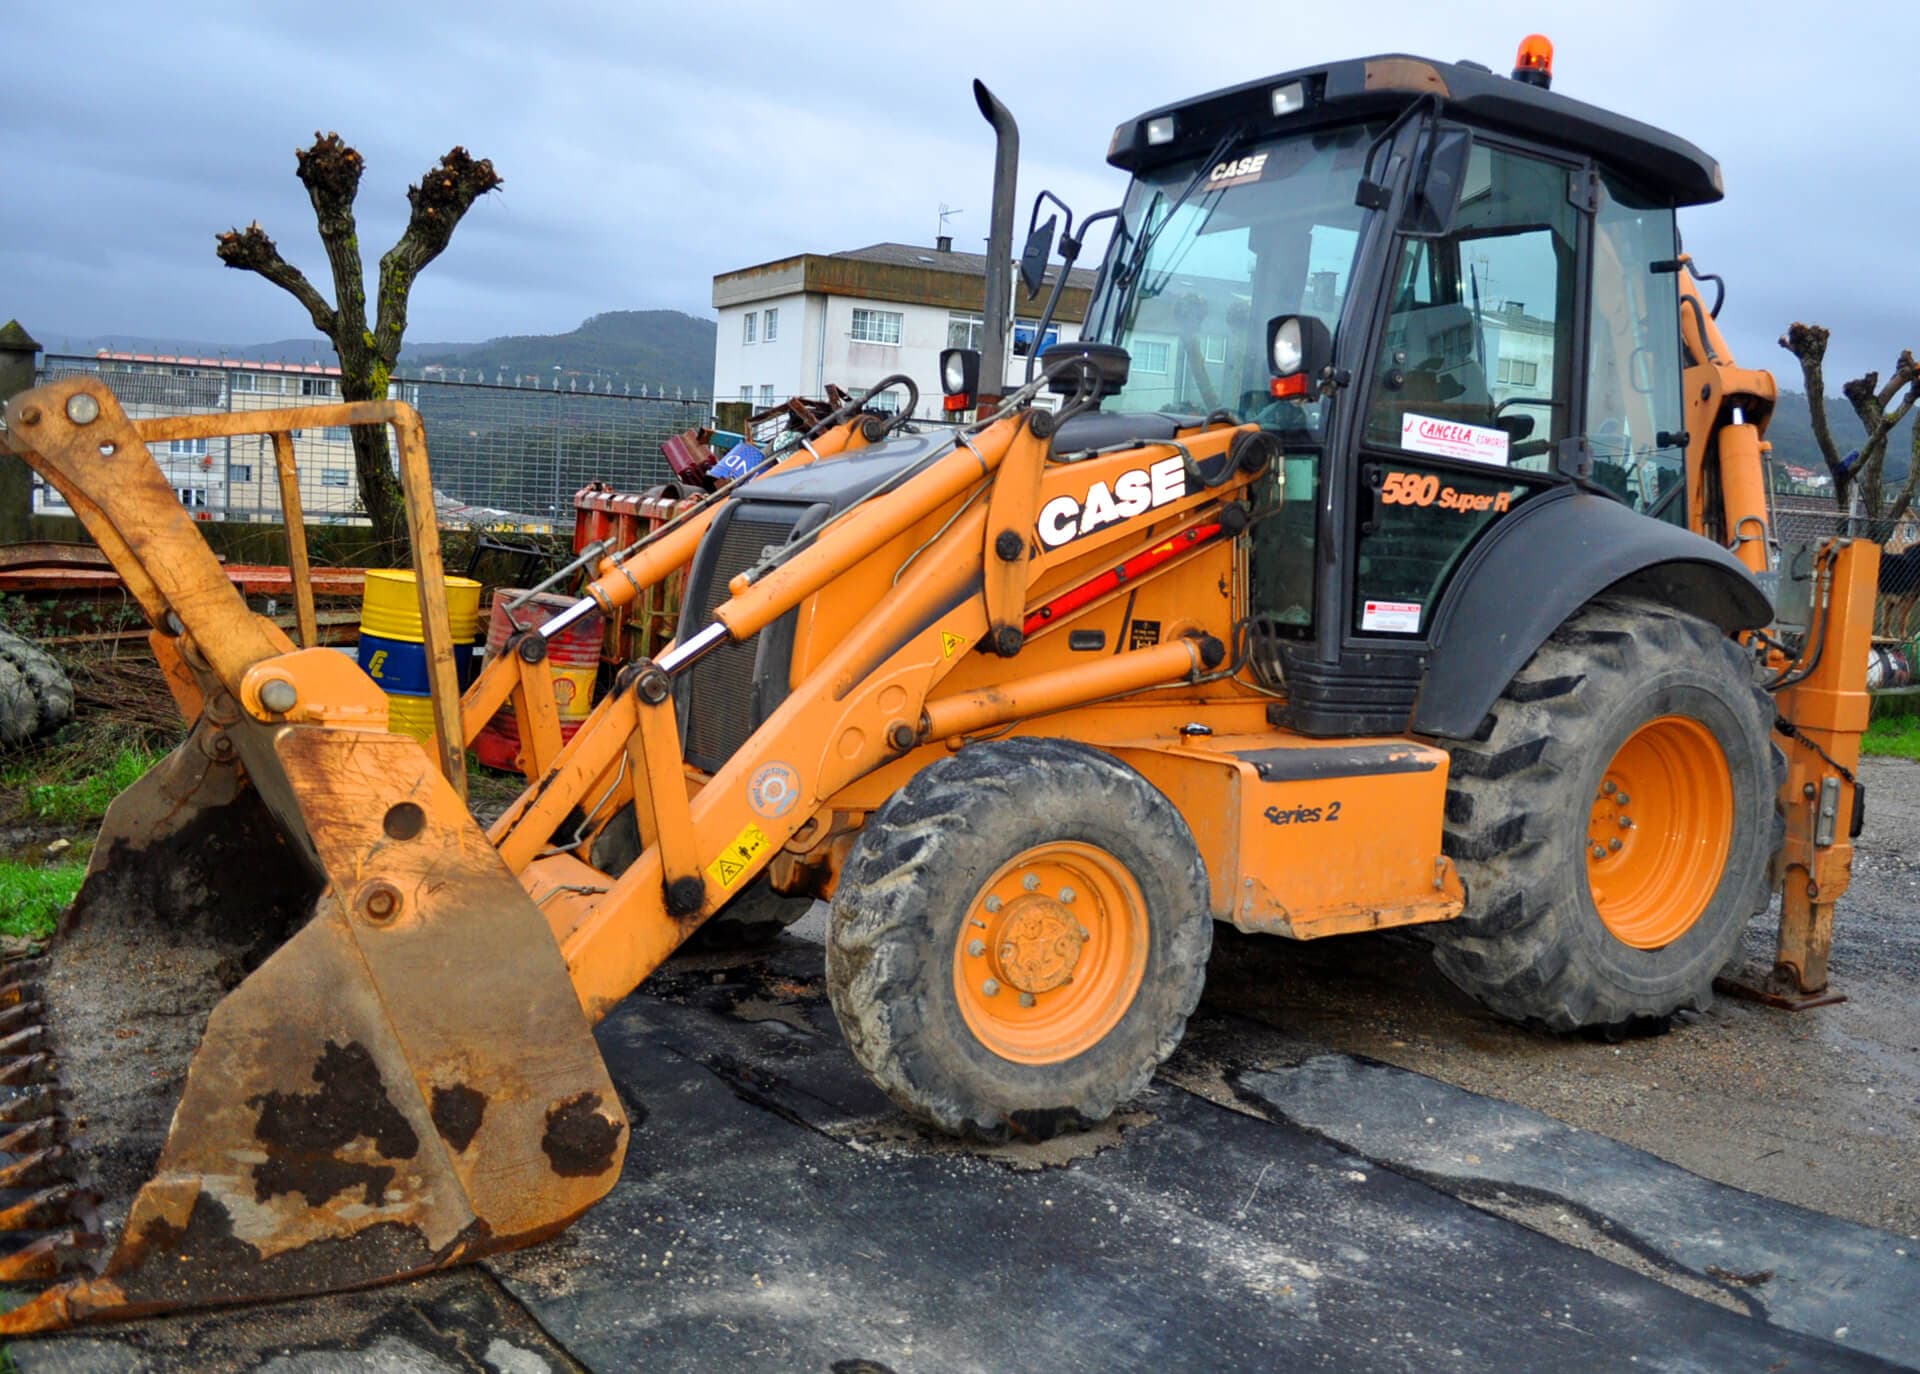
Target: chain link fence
1806, 519
503, 456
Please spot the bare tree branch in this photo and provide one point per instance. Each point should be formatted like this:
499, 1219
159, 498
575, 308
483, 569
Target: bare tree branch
251, 250
440, 201
1808, 343
330, 171
1904, 500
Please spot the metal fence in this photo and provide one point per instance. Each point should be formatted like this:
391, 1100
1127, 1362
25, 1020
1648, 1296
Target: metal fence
502, 455
1808, 519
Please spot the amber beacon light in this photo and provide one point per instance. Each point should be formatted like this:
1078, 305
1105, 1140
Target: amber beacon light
1534, 62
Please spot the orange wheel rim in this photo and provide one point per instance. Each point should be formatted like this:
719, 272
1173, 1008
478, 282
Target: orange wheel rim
1051, 953
1661, 827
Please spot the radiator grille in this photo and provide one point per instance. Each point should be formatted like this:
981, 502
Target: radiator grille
720, 709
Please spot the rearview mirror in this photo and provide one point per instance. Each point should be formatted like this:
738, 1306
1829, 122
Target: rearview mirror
1033, 258
1436, 197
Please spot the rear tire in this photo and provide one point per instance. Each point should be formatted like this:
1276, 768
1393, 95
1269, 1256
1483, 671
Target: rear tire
35, 695
1578, 915
752, 920
1018, 939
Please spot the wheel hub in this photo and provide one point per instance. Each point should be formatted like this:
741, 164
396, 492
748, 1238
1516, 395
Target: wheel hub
1035, 944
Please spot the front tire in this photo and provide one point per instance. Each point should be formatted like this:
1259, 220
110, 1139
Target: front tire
1018, 939
1615, 827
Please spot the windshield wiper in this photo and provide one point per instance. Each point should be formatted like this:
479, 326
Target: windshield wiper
1129, 276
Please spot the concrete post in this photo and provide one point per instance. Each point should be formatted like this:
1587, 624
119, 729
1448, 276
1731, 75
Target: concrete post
18, 353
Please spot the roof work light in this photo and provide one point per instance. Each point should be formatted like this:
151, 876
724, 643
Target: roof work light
1534, 63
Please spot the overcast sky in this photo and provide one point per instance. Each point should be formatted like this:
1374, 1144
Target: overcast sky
646, 148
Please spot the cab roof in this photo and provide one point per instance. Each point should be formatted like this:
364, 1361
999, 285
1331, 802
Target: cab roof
1382, 86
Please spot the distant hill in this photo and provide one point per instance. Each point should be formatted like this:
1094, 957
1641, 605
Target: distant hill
622, 349
651, 348
1792, 434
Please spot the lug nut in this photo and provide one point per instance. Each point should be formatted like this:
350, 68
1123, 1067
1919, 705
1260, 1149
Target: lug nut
1614, 844
1031, 882
1626, 822
1026, 999
1599, 853
1610, 787
1085, 934
991, 987
1623, 798
1067, 894
993, 904
976, 948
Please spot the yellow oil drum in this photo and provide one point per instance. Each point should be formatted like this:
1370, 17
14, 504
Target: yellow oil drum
393, 643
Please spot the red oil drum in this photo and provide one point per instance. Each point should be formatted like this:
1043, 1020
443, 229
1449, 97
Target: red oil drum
574, 656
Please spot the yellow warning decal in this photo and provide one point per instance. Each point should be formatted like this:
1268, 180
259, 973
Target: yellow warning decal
950, 643
734, 860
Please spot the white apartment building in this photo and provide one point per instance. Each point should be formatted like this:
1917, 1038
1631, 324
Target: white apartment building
788, 328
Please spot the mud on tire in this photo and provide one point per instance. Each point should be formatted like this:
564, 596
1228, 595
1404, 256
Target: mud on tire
922, 862
752, 920
35, 695
1532, 944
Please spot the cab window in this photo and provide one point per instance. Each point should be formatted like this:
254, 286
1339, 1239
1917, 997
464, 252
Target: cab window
1477, 357
1634, 405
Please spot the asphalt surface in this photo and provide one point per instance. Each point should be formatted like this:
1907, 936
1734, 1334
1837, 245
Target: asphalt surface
1346, 1166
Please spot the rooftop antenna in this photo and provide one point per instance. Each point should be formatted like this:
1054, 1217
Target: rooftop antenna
942, 238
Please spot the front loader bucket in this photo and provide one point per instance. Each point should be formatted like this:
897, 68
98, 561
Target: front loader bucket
310, 1032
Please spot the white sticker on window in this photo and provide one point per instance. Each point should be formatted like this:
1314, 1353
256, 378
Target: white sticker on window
1393, 617
1451, 439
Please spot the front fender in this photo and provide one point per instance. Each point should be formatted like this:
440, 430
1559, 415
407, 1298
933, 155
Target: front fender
1554, 554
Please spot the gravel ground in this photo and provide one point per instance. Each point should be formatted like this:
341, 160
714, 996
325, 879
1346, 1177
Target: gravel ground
1819, 1108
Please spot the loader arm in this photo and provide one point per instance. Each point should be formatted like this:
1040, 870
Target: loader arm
877, 698
1820, 693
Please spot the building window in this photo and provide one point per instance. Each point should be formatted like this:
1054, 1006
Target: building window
882, 402
240, 472
317, 386
766, 395
749, 325
876, 326
1149, 356
1023, 337
773, 325
187, 448
1213, 348
963, 331
333, 477
746, 394
1518, 372
336, 434
244, 381
193, 498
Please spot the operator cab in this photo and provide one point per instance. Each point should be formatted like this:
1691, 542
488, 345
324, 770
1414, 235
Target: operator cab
1492, 265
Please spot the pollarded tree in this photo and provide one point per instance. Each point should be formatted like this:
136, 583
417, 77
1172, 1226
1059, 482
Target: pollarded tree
330, 170
1870, 400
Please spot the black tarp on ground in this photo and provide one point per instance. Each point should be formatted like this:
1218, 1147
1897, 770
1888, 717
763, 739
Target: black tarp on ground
776, 1214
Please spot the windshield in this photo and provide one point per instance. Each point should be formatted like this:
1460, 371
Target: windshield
1268, 229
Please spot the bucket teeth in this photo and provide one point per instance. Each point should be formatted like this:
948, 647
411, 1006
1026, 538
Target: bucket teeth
49, 1256
21, 1015
38, 1101
53, 1207
34, 1135
29, 1068
37, 1170
26, 1040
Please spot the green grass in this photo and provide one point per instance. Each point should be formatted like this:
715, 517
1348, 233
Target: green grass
1893, 737
32, 896
75, 790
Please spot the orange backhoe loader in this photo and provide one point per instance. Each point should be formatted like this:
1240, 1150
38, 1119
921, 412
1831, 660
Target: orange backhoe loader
1392, 550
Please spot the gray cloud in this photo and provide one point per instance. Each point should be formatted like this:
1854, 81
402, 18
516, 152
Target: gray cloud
648, 147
